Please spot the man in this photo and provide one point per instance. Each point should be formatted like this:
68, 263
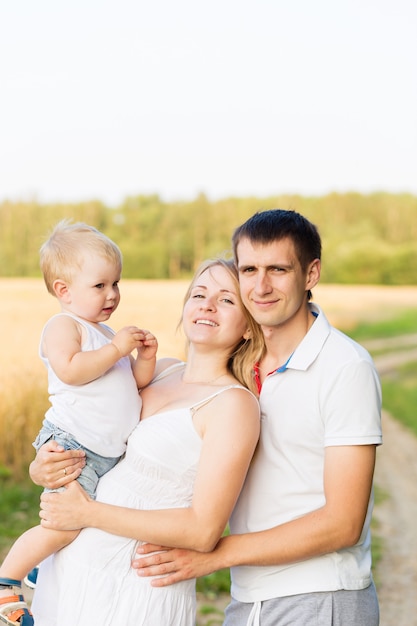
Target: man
299, 547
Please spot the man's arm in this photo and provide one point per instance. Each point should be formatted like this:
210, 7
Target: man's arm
338, 524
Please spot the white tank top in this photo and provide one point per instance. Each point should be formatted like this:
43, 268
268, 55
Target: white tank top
102, 413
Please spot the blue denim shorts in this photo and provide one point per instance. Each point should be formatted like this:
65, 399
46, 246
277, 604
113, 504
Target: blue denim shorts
95, 466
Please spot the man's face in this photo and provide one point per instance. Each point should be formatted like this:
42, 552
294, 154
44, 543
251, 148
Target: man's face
272, 283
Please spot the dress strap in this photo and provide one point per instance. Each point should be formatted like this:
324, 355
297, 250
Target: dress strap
169, 370
204, 401
180, 365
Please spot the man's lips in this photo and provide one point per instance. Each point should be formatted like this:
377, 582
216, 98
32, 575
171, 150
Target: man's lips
264, 303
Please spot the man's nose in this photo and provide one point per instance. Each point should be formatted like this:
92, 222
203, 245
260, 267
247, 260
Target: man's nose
262, 283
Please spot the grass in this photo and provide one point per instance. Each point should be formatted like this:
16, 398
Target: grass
400, 395
399, 389
403, 324
19, 507
377, 542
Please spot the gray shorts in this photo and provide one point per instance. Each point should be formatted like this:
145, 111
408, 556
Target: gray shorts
333, 608
95, 466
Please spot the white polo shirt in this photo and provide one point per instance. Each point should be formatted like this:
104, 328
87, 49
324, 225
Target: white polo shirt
329, 395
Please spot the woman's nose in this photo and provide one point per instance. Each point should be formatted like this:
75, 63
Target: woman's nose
207, 305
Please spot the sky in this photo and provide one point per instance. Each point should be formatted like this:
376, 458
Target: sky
104, 99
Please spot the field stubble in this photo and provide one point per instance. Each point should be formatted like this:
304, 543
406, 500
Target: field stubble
155, 305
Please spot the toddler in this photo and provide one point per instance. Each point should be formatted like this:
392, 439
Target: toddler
93, 382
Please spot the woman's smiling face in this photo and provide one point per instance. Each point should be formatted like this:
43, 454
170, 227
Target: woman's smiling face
213, 313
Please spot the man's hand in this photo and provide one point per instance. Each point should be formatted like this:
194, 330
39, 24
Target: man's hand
173, 564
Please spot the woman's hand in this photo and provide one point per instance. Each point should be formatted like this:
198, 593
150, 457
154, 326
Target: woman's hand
55, 467
65, 510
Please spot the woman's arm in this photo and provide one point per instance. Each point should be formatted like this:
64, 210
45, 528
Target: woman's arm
338, 524
229, 441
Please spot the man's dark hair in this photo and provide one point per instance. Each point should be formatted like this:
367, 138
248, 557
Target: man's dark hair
266, 227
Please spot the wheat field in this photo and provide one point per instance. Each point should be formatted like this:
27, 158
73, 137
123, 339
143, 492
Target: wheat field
155, 305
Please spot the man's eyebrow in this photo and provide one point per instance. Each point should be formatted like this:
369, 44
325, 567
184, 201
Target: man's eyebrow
289, 265
244, 267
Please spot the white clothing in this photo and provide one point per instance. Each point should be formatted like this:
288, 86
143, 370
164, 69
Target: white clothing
91, 581
100, 414
329, 395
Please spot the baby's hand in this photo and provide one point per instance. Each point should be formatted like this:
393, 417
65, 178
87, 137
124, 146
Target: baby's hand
149, 346
129, 338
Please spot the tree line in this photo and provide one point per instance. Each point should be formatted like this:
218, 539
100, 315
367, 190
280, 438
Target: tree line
367, 239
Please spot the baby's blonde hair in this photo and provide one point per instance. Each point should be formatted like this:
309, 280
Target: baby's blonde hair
61, 255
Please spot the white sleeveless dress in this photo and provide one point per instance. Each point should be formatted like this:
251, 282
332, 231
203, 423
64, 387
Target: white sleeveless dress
91, 581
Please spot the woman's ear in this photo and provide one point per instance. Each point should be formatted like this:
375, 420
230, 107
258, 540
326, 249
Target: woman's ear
61, 290
247, 334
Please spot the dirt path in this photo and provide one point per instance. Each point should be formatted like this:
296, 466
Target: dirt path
396, 515
396, 475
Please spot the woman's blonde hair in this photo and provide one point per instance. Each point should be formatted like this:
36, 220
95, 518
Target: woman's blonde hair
248, 351
61, 256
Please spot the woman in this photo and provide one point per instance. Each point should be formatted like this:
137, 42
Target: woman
178, 483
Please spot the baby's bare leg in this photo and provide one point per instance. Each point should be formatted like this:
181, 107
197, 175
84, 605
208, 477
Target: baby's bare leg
33, 547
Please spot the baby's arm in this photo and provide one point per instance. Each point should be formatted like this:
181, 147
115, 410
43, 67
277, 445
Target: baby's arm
62, 345
144, 365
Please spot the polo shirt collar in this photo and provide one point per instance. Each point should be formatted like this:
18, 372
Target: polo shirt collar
310, 347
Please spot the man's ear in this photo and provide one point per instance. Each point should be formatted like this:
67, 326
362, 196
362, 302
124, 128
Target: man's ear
61, 290
313, 274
